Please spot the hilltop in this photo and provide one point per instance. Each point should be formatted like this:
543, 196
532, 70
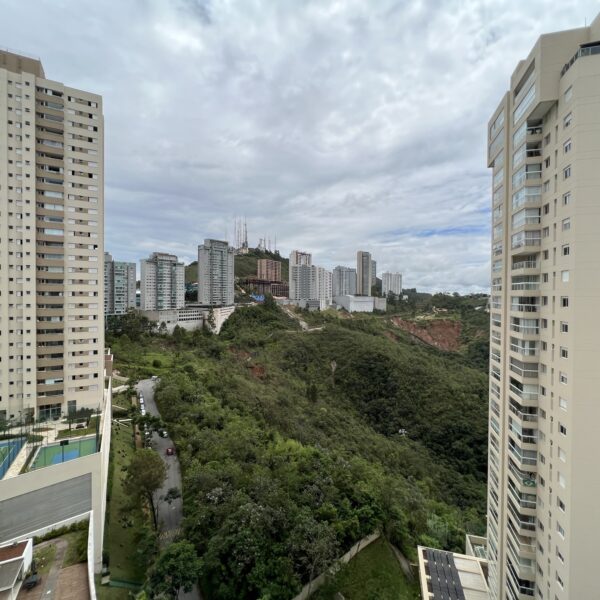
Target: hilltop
245, 265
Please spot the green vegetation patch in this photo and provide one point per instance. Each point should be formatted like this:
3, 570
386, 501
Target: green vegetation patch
374, 574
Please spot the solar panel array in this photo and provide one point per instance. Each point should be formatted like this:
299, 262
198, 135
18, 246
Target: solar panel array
445, 583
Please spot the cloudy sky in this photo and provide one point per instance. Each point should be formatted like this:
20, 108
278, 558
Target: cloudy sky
333, 125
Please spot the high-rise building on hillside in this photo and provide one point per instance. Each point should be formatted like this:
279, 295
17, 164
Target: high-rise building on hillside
344, 281
216, 273
544, 480
119, 286
373, 273
364, 273
268, 270
391, 282
310, 285
162, 282
51, 244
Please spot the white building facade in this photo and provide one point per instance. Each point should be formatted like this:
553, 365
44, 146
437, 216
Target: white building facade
391, 282
344, 281
162, 282
119, 286
216, 273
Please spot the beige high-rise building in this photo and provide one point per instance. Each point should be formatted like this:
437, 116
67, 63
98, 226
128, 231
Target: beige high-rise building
364, 273
162, 282
544, 478
51, 243
268, 270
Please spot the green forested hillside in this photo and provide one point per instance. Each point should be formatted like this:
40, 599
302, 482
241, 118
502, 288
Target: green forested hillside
290, 447
245, 265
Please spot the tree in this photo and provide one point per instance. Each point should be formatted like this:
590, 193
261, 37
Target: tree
176, 568
316, 544
146, 474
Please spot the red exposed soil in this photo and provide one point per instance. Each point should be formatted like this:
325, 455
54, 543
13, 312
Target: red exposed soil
439, 333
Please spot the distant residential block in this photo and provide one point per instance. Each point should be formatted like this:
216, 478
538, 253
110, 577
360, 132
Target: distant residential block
344, 281
216, 273
391, 282
119, 286
162, 282
268, 270
364, 273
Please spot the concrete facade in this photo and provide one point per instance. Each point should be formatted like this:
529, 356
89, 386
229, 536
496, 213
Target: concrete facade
216, 273
355, 303
51, 243
391, 282
268, 270
162, 282
343, 281
364, 273
308, 282
543, 477
119, 286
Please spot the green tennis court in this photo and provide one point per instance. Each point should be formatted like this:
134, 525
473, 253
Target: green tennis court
56, 454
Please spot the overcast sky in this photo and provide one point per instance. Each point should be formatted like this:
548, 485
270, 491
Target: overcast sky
335, 126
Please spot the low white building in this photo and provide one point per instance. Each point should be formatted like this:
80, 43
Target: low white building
191, 316
355, 303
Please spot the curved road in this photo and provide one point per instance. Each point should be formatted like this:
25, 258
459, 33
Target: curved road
169, 515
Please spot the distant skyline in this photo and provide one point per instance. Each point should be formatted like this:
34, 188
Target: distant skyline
335, 126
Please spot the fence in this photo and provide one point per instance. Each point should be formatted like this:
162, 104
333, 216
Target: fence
8, 452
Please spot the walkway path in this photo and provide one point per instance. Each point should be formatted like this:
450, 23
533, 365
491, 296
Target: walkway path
169, 515
49, 592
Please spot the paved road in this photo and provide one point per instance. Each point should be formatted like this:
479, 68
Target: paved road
169, 515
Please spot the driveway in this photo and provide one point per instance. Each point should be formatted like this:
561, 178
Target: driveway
169, 515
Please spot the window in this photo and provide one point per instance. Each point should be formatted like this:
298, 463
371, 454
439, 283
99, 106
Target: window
564, 352
567, 120
568, 93
564, 327
562, 455
560, 556
562, 377
562, 481
565, 251
562, 403
564, 301
566, 224
567, 146
562, 429
567, 199
560, 530
559, 580
546, 255
567, 172
565, 276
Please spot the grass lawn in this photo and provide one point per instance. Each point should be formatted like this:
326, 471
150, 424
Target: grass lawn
77, 548
65, 433
122, 521
104, 592
372, 575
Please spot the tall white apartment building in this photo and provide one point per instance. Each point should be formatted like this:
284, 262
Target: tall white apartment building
364, 273
544, 479
309, 283
373, 272
344, 281
119, 286
391, 282
51, 243
215, 273
162, 282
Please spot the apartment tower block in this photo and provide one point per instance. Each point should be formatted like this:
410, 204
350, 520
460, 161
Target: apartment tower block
544, 480
51, 244
162, 282
216, 273
364, 273
119, 286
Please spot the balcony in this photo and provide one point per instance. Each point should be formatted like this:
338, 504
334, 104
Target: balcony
525, 392
526, 416
523, 369
523, 348
523, 457
524, 307
527, 479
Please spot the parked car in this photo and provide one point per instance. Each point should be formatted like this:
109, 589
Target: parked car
80, 426
170, 451
163, 433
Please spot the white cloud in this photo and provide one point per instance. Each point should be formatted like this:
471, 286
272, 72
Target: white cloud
334, 125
